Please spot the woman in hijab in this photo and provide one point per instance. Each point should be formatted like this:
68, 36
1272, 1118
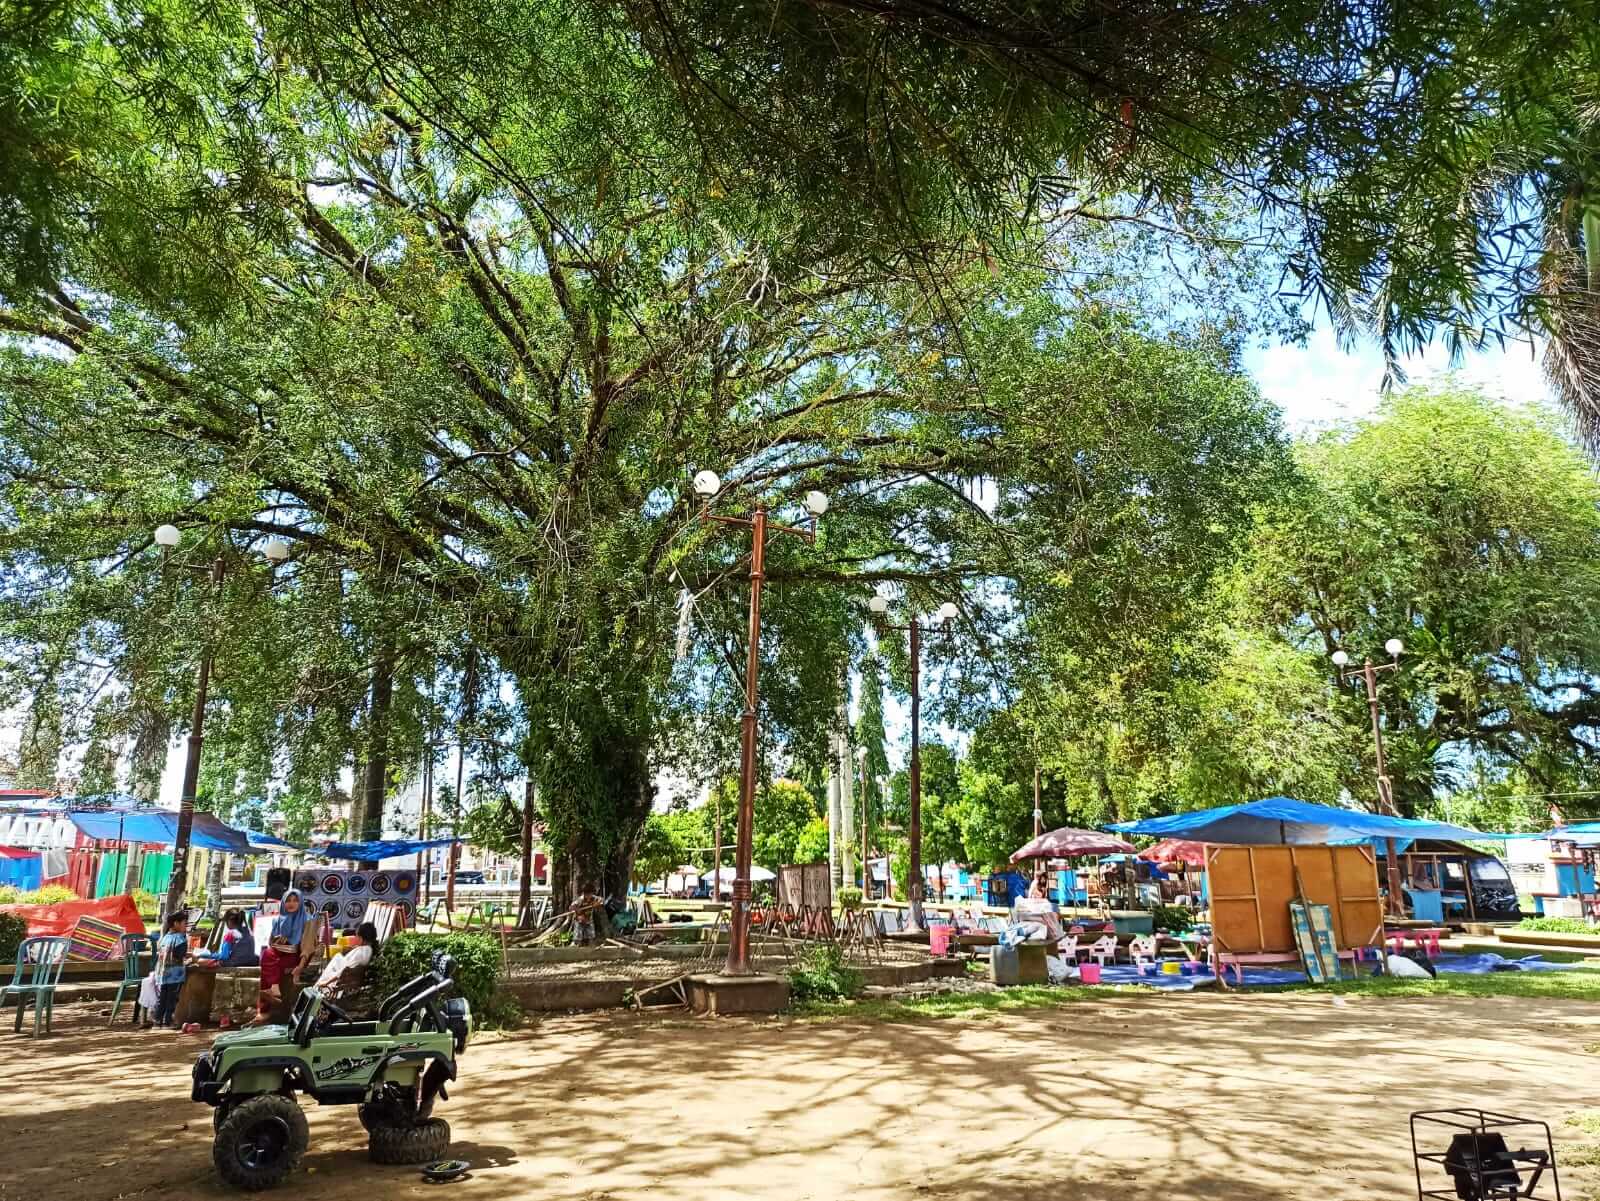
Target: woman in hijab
282, 955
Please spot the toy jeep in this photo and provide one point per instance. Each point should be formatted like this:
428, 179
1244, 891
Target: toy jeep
392, 1069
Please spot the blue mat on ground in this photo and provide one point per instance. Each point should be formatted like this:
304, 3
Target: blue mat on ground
1263, 977
1126, 973
1460, 965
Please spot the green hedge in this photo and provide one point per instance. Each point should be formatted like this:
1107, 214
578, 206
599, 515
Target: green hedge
409, 954
822, 975
12, 931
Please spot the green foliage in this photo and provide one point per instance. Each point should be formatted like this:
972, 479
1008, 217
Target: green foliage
849, 897
50, 894
660, 849
502, 1012
1471, 531
812, 844
1558, 925
869, 738
1172, 919
12, 931
409, 954
787, 814
822, 975
148, 904
9, 894
492, 821
995, 817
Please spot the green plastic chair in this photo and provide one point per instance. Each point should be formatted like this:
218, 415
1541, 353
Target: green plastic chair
135, 967
39, 965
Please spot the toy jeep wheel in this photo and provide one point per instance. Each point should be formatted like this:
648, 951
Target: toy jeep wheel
260, 1142
422, 1143
396, 1107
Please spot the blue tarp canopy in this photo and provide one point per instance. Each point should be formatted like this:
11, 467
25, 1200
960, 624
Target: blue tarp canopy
1585, 834
271, 842
160, 826
1277, 820
384, 849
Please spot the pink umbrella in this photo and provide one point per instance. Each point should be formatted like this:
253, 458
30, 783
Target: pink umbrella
1069, 842
1176, 850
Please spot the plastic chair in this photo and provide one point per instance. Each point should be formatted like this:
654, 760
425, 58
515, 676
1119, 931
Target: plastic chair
1142, 950
38, 971
1067, 948
135, 947
1104, 949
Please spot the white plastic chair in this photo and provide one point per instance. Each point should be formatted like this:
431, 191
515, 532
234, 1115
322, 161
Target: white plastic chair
1104, 949
1067, 948
1142, 950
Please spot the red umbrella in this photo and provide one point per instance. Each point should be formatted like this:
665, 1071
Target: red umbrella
1068, 843
1176, 850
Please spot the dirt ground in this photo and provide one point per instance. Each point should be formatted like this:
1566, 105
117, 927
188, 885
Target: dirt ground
1280, 1096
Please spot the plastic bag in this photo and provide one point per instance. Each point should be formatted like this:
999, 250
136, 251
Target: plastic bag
149, 993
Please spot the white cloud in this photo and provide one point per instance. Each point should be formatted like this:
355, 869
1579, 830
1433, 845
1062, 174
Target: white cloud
1320, 383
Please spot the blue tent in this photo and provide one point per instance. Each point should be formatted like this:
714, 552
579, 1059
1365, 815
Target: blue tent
1278, 820
386, 849
160, 826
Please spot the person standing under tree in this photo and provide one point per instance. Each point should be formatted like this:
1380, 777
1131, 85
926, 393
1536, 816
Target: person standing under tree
172, 950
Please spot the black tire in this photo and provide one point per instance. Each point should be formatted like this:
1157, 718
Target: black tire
219, 1115
422, 1143
260, 1142
397, 1107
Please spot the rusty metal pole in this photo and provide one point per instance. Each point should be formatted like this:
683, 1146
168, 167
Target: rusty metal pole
739, 917
914, 876
1385, 789
179, 883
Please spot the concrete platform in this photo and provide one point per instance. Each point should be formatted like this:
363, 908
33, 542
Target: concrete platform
725, 996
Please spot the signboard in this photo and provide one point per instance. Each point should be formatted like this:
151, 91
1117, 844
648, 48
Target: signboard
342, 896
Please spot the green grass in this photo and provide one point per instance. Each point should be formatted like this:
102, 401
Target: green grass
1578, 984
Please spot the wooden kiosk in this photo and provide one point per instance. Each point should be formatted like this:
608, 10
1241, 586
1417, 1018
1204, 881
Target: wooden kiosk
1253, 886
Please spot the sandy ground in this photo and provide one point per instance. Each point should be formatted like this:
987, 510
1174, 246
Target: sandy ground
1284, 1096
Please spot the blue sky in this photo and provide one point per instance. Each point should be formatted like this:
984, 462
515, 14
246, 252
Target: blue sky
1320, 383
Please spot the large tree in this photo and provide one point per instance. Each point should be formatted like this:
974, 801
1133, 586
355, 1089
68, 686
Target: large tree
893, 126
465, 356
1471, 531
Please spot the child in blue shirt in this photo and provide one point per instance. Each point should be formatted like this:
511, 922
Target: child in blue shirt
238, 945
172, 949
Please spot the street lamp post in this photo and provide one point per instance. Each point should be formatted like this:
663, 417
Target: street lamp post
1368, 674
879, 605
168, 537
707, 485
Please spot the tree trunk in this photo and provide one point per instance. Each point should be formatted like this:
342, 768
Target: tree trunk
216, 875
835, 880
525, 890
593, 835
376, 780
844, 771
